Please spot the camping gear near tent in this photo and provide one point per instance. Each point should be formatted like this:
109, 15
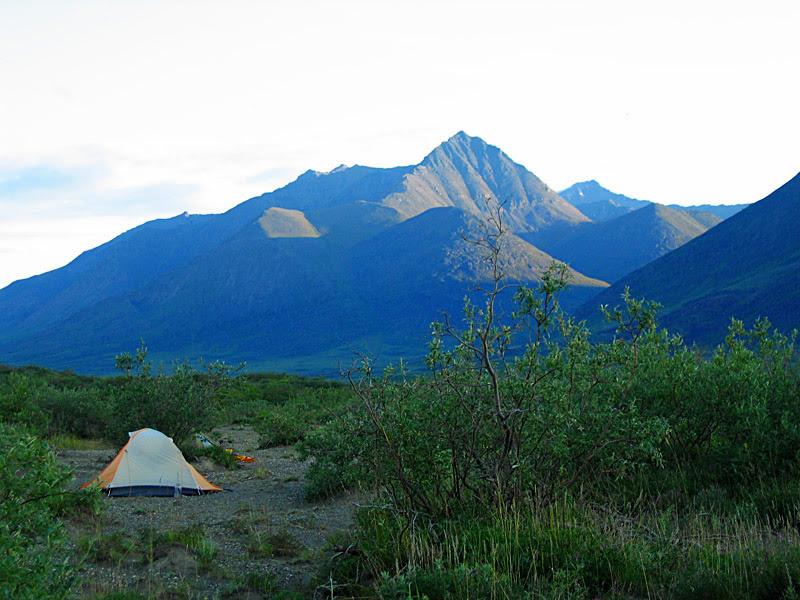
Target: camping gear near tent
240, 457
150, 464
205, 442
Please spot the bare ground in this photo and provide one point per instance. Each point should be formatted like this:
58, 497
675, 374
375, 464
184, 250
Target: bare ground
267, 535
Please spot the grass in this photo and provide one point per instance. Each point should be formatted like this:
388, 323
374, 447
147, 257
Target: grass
111, 548
268, 544
206, 552
573, 550
247, 520
190, 536
263, 540
262, 473
115, 548
284, 544
155, 591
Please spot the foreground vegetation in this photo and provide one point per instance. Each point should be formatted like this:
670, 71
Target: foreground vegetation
528, 462
532, 463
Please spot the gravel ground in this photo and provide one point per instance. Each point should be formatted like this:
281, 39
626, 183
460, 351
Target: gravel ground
267, 499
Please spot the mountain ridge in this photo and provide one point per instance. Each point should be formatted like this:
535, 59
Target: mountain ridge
601, 204
746, 267
290, 275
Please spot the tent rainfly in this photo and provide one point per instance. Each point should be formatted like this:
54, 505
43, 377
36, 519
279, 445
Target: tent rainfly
150, 464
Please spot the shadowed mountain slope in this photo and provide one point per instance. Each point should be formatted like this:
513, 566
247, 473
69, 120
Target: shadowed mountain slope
258, 298
723, 211
746, 267
121, 264
438, 246
610, 249
347, 204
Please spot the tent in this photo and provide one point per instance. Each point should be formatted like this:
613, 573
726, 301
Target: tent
150, 464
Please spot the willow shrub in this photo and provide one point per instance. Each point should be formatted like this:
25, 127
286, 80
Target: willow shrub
34, 561
179, 403
496, 418
734, 417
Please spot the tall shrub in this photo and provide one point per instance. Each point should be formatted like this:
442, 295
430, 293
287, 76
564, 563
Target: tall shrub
178, 404
509, 407
34, 559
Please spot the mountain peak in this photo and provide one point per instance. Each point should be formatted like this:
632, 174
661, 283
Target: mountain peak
461, 135
462, 141
591, 184
591, 192
588, 188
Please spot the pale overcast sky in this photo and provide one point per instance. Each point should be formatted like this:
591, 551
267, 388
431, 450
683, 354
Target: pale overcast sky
113, 113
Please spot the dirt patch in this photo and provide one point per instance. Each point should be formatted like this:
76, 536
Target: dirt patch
262, 530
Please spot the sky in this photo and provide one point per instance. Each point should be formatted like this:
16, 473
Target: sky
113, 113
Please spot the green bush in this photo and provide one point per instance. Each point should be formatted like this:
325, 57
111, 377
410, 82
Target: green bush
493, 422
280, 426
84, 412
336, 450
292, 419
733, 418
177, 404
34, 561
314, 400
20, 398
52, 402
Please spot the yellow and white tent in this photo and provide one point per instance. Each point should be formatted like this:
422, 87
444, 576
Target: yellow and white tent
150, 464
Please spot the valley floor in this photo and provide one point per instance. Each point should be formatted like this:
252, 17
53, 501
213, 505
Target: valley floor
267, 537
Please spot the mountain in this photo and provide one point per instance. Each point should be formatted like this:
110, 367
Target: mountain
723, 211
611, 249
464, 171
746, 267
122, 264
295, 278
600, 204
